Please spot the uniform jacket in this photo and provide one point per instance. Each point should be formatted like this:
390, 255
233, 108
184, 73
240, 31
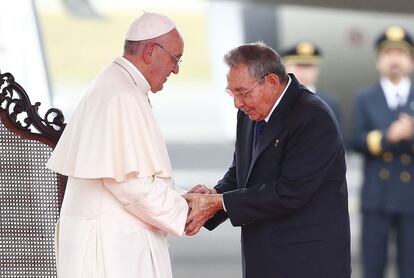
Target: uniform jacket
388, 176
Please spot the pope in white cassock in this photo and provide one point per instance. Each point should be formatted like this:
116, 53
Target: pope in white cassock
120, 200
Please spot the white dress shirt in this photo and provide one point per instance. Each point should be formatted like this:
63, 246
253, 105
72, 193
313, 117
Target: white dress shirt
278, 100
396, 95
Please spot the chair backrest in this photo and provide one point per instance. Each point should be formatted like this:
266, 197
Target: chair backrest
30, 194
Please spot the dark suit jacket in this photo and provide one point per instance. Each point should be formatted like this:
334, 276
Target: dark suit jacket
289, 195
388, 178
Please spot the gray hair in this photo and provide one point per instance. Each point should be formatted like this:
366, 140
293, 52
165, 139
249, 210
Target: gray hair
259, 58
132, 47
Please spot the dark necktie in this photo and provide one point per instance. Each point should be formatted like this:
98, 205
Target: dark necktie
258, 131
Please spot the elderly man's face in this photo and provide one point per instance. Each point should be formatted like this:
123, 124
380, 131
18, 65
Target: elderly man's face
166, 61
394, 62
259, 100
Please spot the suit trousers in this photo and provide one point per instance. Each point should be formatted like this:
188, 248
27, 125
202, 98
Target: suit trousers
377, 228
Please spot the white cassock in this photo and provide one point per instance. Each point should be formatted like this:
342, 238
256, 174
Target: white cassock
120, 200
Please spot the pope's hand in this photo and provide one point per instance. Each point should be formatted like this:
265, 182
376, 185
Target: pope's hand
202, 189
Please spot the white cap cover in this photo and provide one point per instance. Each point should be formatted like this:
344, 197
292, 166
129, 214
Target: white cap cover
149, 26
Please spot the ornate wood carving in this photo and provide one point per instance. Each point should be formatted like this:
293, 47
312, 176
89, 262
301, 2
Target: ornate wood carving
19, 115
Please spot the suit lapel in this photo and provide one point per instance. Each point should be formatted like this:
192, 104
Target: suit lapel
246, 144
269, 135
275, 124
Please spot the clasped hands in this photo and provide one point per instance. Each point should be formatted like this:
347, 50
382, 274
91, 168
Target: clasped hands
401, 129
203, 203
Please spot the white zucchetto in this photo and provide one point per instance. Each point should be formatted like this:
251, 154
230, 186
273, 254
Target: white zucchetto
149, 26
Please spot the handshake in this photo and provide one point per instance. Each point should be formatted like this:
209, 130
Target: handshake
203, 203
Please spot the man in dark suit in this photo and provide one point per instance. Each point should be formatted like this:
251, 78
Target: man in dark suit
286, 187
384, 135
303, 60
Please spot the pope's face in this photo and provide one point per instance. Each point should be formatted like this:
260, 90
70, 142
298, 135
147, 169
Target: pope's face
167, 54
394, 63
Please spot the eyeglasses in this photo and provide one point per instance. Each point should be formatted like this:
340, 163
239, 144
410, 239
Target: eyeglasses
175, 60
245, 92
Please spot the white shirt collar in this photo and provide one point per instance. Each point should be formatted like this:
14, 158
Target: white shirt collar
278, 100
311, 88
390, 91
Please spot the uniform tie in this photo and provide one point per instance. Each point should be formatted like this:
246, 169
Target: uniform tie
400, 99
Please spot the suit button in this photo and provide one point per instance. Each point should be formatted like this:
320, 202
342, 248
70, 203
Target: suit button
388, 156
384, 174
405, 177
405, 159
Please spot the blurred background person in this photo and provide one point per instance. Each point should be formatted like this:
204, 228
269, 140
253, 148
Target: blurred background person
383, 133
303, 60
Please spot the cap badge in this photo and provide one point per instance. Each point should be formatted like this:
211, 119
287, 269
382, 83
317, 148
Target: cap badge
395, 33
305, 48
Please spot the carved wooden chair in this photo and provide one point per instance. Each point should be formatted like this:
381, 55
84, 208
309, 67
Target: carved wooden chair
30, 194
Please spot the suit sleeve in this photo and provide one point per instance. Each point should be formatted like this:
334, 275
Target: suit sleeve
313, 148
227, 183
153, 201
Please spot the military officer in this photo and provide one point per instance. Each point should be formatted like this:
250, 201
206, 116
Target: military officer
303, 60
383, 133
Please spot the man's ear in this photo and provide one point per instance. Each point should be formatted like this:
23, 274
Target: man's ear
147, 53
273, 79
